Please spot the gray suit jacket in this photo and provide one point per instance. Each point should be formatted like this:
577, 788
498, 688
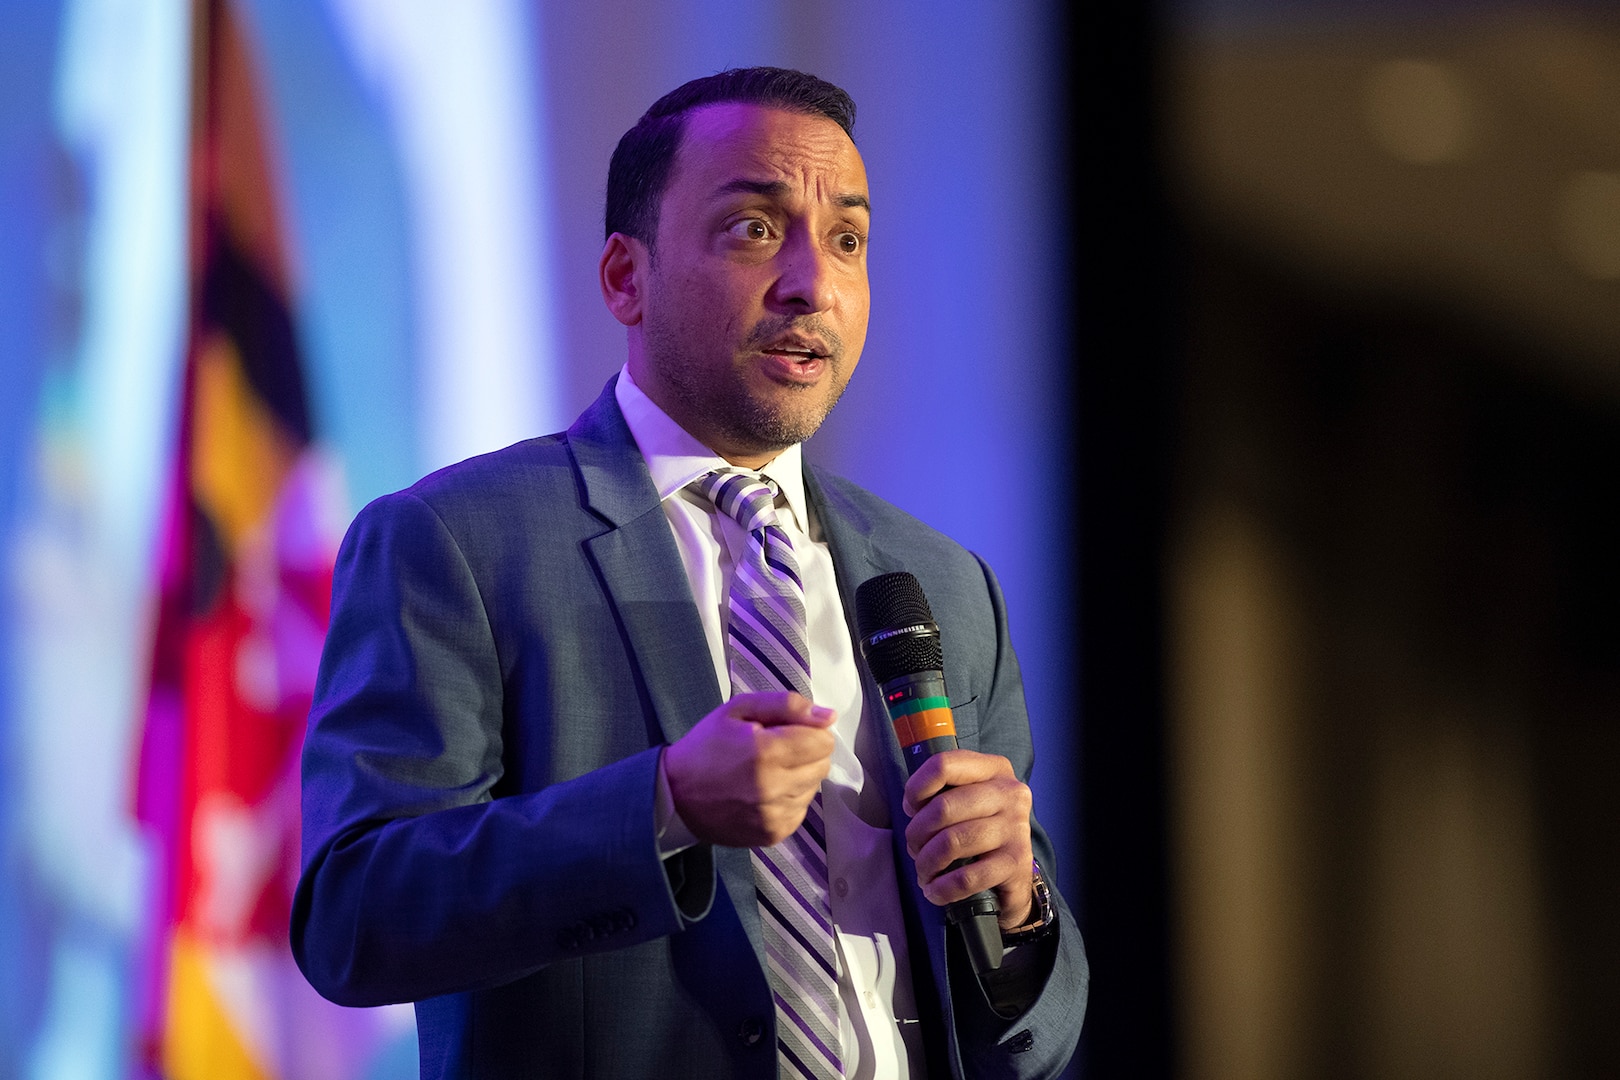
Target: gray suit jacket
512, 641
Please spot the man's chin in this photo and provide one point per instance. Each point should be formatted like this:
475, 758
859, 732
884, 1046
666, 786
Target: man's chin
770, 429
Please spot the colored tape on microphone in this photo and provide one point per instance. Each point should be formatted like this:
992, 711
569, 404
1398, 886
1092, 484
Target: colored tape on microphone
920, 725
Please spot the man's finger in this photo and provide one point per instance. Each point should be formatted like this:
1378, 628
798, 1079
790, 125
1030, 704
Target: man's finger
995, 869
953, 768
792, 745
772, 710
984, 800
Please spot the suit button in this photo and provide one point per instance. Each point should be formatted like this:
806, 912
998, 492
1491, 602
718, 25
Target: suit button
751, 1031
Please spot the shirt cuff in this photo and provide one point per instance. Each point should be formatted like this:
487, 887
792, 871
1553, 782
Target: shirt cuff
673, 835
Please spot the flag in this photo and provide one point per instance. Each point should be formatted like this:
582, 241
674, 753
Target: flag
245, 562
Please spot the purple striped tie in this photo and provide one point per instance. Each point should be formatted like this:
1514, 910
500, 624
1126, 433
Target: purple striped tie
767, 649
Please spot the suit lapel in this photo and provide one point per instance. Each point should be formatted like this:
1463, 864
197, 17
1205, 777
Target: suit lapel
857, 558
641, 568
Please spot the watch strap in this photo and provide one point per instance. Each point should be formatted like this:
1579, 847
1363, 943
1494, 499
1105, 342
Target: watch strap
1043, 916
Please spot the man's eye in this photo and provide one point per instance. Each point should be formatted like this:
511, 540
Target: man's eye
849, 243
750, 229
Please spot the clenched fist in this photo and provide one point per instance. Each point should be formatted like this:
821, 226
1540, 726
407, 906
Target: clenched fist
743, 776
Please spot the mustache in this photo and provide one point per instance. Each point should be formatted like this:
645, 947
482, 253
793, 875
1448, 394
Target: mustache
771, 328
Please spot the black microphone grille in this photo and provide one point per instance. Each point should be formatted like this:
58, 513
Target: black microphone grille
893, 609
890, 601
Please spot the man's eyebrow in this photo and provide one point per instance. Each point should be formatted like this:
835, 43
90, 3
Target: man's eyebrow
772, 188
775, 189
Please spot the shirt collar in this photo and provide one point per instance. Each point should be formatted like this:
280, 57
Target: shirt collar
675, 458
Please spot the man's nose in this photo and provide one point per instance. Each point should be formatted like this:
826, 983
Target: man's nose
805, 282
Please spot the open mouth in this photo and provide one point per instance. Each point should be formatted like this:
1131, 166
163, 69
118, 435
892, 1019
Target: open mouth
797, 353
794, 363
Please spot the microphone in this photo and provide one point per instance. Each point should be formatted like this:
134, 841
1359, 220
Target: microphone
901, 644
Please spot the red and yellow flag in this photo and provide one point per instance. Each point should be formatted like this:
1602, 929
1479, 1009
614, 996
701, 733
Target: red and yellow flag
245, 587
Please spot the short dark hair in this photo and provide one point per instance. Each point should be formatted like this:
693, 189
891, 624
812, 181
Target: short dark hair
639, 171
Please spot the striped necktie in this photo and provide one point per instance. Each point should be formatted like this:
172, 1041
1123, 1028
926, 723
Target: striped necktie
767, 649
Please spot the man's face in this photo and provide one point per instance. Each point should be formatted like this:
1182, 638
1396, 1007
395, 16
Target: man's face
754, 303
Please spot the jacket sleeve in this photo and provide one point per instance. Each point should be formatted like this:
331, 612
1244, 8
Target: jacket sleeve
1041, 1039
416, 881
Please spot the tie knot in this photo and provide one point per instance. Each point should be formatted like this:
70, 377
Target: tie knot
748, 500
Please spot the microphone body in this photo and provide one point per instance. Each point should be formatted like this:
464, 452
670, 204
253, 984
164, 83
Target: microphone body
901, 644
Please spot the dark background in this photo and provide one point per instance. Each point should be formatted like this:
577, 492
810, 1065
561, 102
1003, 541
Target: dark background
1346, 419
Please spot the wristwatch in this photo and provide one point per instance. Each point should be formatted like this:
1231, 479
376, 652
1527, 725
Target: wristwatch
1043, 918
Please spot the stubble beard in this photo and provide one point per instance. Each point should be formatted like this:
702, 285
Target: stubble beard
745, 421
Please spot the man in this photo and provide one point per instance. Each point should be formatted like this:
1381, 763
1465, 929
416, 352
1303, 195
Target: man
600, 809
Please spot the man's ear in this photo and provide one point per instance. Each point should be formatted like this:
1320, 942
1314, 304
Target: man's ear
622, 273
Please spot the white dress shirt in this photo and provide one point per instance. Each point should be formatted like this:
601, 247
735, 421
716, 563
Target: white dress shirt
878, 1014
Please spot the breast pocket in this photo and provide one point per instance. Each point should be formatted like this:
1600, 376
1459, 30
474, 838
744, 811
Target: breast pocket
965, 714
